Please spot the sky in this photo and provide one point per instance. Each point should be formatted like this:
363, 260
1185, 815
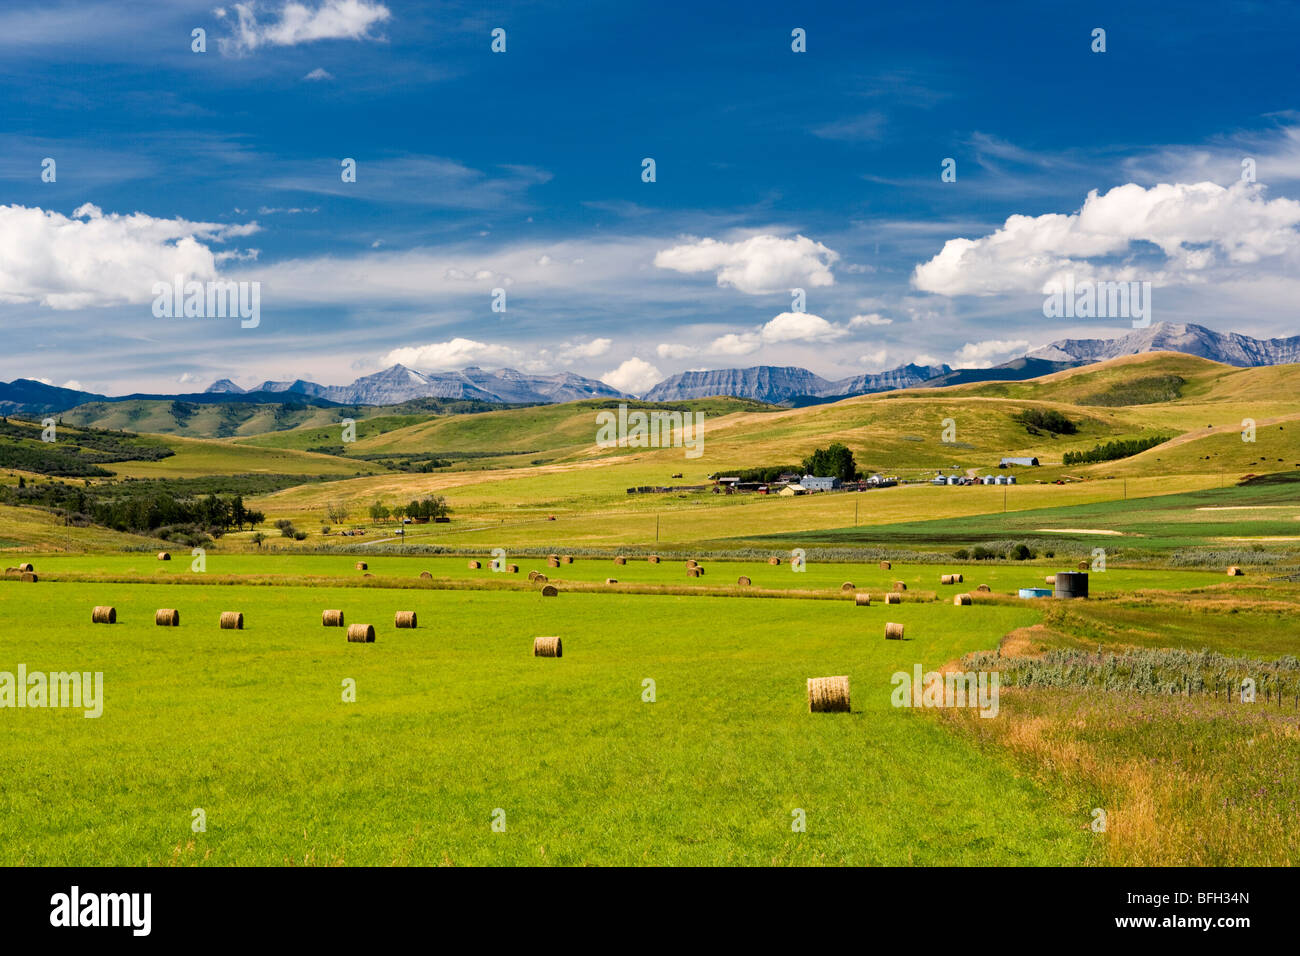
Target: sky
502, 213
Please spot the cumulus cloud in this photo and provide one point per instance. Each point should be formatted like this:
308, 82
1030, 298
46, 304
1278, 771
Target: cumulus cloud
757, 265
786, 327
575, 351
863, 321
635, 376
452, 354
800, 327
989, 352
93, 259
670, 350
320, 73
1196, 226
298, 23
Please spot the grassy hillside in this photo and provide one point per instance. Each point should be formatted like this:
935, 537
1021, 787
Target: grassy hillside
236, 419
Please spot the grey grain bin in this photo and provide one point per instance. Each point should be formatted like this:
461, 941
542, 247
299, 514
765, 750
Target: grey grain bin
1071, 584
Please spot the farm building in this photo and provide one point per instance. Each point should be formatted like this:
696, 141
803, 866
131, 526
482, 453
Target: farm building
1013, 462
789, 491
812, 483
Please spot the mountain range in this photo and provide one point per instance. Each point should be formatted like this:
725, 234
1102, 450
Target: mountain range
780, 385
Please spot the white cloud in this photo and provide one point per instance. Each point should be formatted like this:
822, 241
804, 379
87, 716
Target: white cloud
925, 359
757, 265
786, 327
990, 352
669, 350
800, 327
299, 23
1196, 227
453, 354
575, 351
320, 73
736, 343
874, 318
874, 361
92, 259
635, 376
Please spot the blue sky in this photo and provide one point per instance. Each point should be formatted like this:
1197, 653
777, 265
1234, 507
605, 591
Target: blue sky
522, 170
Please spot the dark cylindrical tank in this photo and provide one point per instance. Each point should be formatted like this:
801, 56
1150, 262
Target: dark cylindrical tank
1071, 584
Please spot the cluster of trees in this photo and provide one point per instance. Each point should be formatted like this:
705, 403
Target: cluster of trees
833, 462
144, 509
422, 509
1121, 448
1018, 552
1046, 419
768, 474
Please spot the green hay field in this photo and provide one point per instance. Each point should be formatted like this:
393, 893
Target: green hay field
456, 719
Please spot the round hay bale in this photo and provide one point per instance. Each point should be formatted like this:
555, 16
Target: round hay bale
362, 566
611, 580
862, 599
404, 619
961, 600
893, 632
946, 579
1050, 579
692, 563
332, 618
653, 559
475, 565
828, 695
167, 617
900, 585
886, 566
893, 597
847, 586
742, 581
541, 578
532, 575
103, 614
548, 647
512, 569
1083, 565
1235, 572
29, 577
164, 556
773, 561
567, 559
958, 578
550, 591
693, 572
361, 634
553, 561
426, 575
620, 560
232, 621
26, 566
985, 588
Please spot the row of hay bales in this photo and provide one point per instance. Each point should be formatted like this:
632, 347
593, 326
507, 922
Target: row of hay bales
166, 617
23, 572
